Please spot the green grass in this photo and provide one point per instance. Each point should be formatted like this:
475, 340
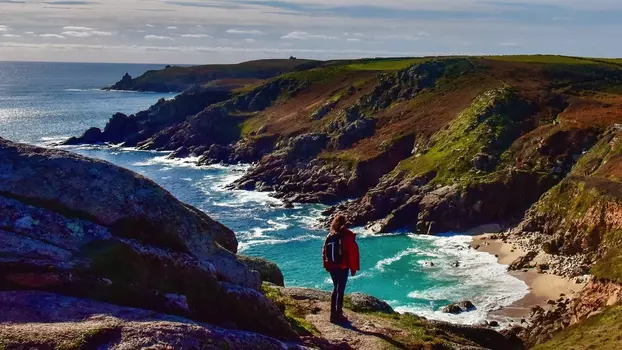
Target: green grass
549, 59
294, 312
385, 65
493, 115
603, 332
420, 334
591, 164
316, 75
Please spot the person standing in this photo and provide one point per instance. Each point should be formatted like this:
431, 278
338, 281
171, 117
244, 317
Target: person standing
341, 256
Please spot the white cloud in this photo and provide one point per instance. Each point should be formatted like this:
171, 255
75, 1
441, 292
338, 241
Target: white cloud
423, 34
359, 34
354, 40
86, 34
77, 28
100, 33
243, 31
77, 34
80, 47
249, 40
157, 37
172, 27
56, 36
11, 35
195, 36
149, 25
4, 28
307, 36
30, 33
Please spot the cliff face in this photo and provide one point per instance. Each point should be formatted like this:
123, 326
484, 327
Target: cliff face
582, 217
583, 214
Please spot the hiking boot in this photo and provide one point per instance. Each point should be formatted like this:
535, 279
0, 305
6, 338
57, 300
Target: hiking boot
338, 318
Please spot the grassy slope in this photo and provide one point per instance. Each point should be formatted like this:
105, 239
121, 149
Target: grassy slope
453, 147
423, 116
599, 332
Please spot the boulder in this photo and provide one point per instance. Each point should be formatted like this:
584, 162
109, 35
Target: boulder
452, 309
457, 308
365, 303
268, 270
92, 135
181, 152
466, 305
523, 261
86, 228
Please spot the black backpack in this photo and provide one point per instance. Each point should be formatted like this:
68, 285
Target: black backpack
333, 249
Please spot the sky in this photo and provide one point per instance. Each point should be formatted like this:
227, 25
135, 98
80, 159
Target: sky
224, 31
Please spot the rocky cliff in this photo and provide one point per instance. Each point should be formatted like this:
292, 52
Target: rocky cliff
431, 145
96, 256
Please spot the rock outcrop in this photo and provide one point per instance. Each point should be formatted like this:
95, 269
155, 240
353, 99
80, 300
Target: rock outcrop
268, 270
139, 128
42, 320
86, 228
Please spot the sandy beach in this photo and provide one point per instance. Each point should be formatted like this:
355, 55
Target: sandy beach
543, 287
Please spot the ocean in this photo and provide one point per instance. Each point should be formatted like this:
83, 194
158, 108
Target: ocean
42, 103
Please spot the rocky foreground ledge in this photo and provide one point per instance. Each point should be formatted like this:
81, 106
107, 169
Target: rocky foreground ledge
96, 256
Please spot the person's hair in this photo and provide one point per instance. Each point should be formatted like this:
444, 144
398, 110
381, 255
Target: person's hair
338, 224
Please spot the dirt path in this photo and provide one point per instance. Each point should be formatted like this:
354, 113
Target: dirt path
362, 332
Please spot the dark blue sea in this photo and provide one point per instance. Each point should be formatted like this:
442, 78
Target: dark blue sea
41, 103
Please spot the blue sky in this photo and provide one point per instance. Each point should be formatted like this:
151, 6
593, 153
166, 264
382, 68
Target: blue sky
219, 31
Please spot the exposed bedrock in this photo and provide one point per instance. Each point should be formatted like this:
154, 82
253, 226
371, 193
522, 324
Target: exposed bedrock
295, 172
86, 228
43, 320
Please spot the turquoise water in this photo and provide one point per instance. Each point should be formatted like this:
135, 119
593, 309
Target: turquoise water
41, 102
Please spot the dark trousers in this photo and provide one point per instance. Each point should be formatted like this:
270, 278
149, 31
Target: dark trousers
340, 279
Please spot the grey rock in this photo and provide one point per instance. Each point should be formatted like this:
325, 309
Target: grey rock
86, 228
366, 303
68, 321
268, 270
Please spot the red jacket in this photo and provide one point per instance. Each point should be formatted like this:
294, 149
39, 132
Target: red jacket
351, 258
